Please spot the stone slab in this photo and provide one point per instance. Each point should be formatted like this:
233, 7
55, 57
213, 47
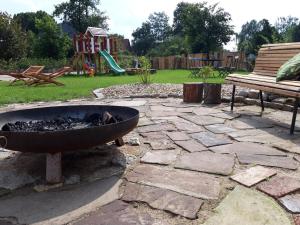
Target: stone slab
187, 126
273, 161
160, 157
129, 103
191, 146
118, 213
206, 111
162, 144
185, 182
178, 136
291, 203
253, 175
207, 162
60, 206
203, 120
279, 186
163, 199
209, 139
297, 219
248, 207
220, 128
157, 128
251, 123
242, 148
226, 115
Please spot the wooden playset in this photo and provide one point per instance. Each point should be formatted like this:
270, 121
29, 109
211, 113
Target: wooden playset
94, 46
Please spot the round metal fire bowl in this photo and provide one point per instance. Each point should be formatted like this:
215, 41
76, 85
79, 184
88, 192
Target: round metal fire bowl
67, 140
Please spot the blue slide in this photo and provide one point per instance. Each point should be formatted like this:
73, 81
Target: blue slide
111, 62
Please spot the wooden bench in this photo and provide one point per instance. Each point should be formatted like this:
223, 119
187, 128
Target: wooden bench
263, 78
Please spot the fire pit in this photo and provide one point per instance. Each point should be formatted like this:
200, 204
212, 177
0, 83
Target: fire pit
54, 130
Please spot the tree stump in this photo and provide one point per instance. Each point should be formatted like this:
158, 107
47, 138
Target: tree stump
212, 93
193, 92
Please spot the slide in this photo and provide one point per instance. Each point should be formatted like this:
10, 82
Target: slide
111, 62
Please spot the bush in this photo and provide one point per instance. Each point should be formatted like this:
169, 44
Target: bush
24, 63
145, 76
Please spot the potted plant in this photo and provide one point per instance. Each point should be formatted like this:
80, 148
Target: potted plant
212, 91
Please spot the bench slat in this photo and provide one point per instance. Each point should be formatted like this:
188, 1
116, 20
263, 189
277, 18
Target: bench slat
291, 85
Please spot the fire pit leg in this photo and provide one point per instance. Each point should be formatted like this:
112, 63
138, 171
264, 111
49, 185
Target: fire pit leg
53, 168
119, 142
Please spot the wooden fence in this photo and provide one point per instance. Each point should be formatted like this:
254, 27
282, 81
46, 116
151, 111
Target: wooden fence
224, 59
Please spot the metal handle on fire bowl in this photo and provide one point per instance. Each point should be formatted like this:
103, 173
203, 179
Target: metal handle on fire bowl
3, 142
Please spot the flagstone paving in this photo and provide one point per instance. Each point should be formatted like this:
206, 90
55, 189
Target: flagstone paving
253, 175
187, 166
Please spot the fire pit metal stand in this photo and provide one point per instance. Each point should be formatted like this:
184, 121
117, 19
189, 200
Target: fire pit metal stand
53, 168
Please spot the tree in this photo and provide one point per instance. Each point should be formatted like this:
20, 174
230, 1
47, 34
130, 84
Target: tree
295, 34
160, 27
143, 39
207, 27
27, 20
254, 34
81, 14
50, 42
286, 27
12, 40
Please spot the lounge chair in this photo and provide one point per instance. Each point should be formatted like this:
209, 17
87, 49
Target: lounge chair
42, 78
32, 70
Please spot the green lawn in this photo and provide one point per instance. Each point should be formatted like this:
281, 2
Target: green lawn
79, 86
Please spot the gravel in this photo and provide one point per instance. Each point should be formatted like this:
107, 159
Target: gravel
155, 90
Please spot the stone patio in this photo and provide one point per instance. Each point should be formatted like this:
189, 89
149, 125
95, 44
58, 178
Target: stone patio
184, 164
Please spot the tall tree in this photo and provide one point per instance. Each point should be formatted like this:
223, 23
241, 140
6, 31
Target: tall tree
152, 32
12, 40
159, 22
143, 39
286, 27
254, 34
81, 14
207, 27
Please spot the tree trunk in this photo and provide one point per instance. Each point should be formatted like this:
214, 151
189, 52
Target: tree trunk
193, 92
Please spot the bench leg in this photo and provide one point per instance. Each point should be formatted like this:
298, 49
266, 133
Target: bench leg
232, 97
296, 105
261, 101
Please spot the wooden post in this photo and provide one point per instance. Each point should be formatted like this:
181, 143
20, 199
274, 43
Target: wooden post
193, 92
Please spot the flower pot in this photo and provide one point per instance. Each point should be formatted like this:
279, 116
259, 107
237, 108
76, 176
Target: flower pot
193, 92
212, 93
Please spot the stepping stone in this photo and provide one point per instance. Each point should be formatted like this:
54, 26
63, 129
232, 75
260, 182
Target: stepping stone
203, 111
187, 126
116, 213
145, 122
297, 219
226, 115
154, 135
279, 186
161, 108
251, 123
210, 139
153, 114
129, 103
191, 146
207, 162
160, 157
220, 129
273, 161
156, 128
248, 207
178, 136
162, 144
291, 203
253, 175
163, 199
247, 148
203, 120
190, 183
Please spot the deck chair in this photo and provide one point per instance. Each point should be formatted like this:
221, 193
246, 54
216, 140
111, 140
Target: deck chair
32, 70
42, 78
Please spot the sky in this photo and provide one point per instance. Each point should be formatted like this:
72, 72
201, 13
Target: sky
126, 15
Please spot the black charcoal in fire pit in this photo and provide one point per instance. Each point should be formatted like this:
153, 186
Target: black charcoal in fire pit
63, 123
